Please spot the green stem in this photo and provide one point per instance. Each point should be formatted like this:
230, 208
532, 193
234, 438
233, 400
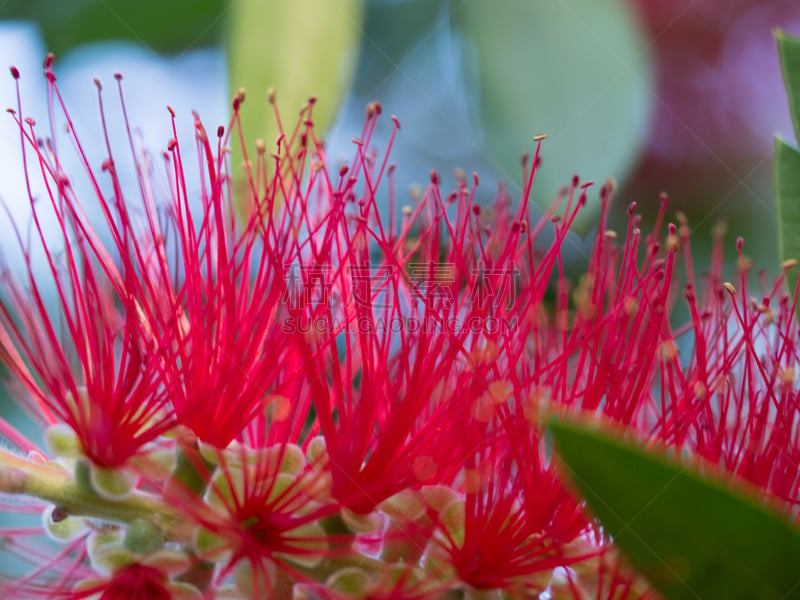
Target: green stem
52, 483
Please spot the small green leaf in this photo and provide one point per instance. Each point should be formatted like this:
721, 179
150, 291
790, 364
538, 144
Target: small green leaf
789, 52
690, 536
577, 70
174, 26
301, 49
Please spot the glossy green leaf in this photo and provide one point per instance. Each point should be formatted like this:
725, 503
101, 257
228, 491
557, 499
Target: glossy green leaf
301, 49
789, 51
690, 536
171, 26
576, 70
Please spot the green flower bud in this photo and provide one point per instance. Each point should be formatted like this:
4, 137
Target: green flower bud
436, 563
404, 542
211, 546
109, 559
317, 452
311, 539
184, 591
211, 454
351, 581
103, 538
258, 582
168, 561
404, 507
438, 496
403, 576
318, 485
62, 527
292, 460
143, 537
89, 589
283, 482
111, 484
229, 592
62, 441
226, 486
357, 523
155, 465
452, 519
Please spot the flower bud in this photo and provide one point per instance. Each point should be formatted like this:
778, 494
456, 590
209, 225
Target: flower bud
311, 544
452, 520
404, 542
229, 592
255, 581
292, 460
350, 581
89, 589
143, 537
226, 486
407, 505
102, 538
111, 484
170, 562
180, 590
211, 546
438, 496
317, 452
109, 559
62, 527
436, 563
155, 465
62, 441
358, 523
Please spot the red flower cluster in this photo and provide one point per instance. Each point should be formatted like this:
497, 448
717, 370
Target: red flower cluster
314, 400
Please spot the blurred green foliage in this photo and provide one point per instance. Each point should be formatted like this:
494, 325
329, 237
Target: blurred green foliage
163, 26
573, 69
576, 70
301, 48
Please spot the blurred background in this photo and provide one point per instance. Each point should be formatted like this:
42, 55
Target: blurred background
682, 96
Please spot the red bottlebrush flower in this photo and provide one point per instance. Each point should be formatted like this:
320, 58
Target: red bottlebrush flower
514, 524
263, 514
218, 318
366, 400
210, 290
134, 582
86, 363
735, 402
379, 391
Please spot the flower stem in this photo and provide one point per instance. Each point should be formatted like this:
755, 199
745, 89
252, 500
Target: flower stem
52, 483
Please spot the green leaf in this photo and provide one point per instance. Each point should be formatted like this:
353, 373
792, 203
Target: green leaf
301, 48
789, 52
787, 161
172, 26
576, 70
690, 536
787, 203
